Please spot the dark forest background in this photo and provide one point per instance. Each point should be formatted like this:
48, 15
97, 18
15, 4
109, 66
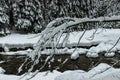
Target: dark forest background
32, 16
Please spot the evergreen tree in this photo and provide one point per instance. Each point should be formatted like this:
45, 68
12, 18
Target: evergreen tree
28, 16
34, 15
4, 19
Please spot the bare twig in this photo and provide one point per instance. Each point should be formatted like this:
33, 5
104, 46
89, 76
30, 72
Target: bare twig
79, 40
113, 45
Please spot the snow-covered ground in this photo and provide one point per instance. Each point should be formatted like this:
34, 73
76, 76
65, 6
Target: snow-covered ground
100, 72
39, 76
104, 38
102, 35
18, 40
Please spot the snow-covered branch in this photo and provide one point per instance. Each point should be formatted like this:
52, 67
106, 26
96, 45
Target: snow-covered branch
55, 29
52, 29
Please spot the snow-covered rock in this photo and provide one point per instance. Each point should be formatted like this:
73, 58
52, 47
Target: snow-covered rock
110, 54
77, 52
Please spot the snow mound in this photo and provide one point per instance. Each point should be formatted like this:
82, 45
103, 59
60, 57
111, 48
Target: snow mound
100, 72
77, 52
18, 41
44, 75
105, 39
2, 70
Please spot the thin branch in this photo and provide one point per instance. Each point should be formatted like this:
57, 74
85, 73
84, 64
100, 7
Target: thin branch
79, 40
113, 45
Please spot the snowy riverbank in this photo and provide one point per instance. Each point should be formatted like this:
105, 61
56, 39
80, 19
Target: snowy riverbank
100, 72
104, 39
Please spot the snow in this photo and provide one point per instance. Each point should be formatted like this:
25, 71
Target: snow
56, 31
45, 75
101, 72
40, 76
110, 54
9, 77
77, 52
75, 55
4, 18
105, 39
18, 40
21, 52
23, 23
101, 35
104, 46
1, 70
51, 30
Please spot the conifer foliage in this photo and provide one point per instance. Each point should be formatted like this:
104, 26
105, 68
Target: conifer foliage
34, 15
